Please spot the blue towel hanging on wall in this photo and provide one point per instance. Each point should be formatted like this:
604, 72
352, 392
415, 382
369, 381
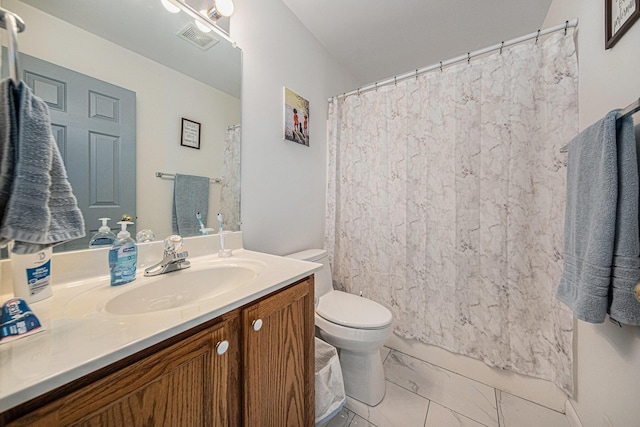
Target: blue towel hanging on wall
602, 241
190, 196
39, 209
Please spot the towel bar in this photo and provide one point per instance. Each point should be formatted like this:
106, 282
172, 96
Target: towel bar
630, 109
165, 175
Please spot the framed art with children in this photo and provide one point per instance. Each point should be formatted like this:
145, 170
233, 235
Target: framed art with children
296, 118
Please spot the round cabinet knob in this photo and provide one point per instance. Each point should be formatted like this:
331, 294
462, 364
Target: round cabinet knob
257, 324
222, 347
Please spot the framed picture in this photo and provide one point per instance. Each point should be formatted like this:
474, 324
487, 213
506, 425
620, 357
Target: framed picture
296, 118
190, 134
619, 16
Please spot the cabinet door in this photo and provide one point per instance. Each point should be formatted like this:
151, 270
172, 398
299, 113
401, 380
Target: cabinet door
188, 383
226, 373
279, 359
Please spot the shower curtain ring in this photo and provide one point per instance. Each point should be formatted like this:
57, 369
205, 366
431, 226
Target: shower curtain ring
566, 25
440, 66
468, 57
376, 86
395, 80
501, 46
537, 36
416, 74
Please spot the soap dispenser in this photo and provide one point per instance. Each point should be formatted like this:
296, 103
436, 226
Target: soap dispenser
104, 237
123, 257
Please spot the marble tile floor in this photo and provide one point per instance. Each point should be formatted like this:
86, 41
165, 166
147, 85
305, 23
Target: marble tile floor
420, 394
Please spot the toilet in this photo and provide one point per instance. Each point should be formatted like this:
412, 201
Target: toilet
357, 326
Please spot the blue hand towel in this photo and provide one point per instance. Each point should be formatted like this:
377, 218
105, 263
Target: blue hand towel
190, 196
590, 220
42, 210
602, 240
623, 306
8, 137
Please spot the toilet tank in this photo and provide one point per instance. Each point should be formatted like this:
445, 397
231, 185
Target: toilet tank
323, 282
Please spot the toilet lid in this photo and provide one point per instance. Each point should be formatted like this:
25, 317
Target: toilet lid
353, 311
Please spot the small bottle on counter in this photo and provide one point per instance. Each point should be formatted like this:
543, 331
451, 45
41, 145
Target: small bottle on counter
32, 275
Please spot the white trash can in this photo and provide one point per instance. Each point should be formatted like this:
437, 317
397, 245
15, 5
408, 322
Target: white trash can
330, 397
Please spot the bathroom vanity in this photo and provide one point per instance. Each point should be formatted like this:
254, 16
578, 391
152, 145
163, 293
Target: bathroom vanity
243, 357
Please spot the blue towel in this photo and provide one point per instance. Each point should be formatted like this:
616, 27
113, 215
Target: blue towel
41, 209
8, 137
623, 306
190, 196
590, 220
601, 260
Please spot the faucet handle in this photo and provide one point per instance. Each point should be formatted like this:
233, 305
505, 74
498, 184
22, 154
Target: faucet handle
172, 244
175, 257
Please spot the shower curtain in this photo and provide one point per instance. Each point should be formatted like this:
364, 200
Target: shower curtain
230, 192
445, 203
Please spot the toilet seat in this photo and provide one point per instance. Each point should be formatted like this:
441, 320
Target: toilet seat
353, 311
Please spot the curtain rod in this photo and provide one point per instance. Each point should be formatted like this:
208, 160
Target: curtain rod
465, 57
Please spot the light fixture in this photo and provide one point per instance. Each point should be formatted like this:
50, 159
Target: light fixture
170, 6
205, 20
219, 9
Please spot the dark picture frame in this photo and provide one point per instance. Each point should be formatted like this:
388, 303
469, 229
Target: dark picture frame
190, 134
619, 16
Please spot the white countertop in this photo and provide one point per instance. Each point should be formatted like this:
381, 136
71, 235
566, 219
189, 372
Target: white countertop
81, 337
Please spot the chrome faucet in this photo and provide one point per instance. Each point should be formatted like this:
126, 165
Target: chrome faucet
175, 257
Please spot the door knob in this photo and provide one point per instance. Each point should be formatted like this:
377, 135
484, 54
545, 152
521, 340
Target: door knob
257, 324
222, 347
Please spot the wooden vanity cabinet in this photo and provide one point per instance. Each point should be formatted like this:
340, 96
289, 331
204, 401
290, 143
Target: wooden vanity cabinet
265, 377
279, 359
186, 383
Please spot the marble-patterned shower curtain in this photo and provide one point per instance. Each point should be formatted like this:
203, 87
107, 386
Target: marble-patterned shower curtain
445, 203
230, 192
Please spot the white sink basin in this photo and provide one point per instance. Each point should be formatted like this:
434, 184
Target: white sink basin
178, 289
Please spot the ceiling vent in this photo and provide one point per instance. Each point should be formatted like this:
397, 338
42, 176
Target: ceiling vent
194, 36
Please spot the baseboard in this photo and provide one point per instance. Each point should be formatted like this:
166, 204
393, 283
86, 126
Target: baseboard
571, 414
536, 390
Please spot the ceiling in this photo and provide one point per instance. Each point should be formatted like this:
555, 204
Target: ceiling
377, 39
372, 39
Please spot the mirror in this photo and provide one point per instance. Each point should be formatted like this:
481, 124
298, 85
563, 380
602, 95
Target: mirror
137, 46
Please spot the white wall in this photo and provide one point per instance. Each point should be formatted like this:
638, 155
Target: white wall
159, 109
607, 358
283, 183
